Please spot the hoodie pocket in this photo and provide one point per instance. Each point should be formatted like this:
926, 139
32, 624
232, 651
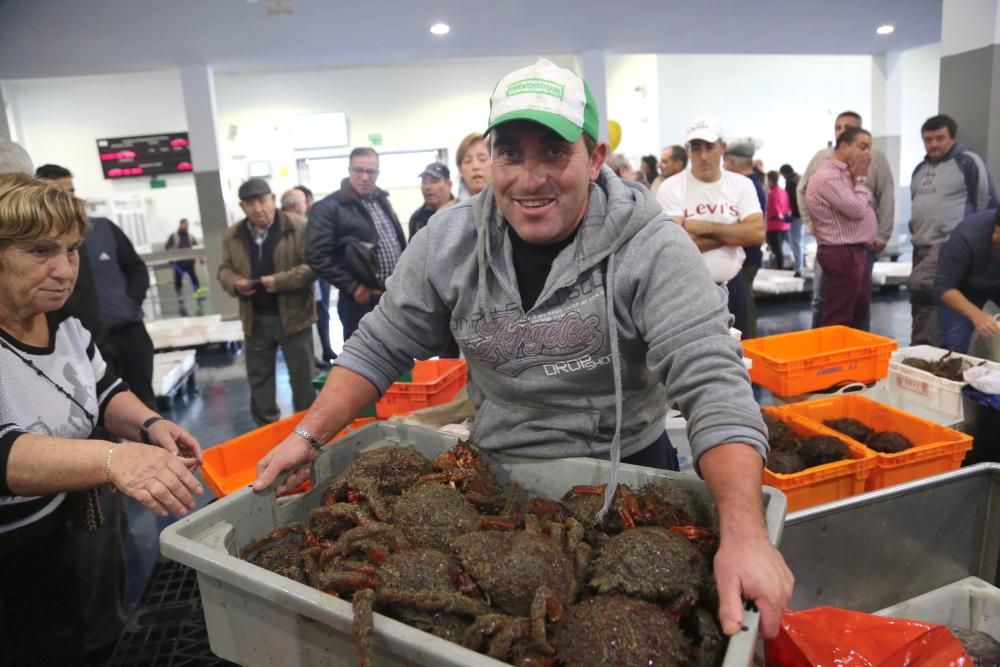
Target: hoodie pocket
526, 430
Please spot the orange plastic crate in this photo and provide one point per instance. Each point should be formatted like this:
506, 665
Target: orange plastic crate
816, 359
229, 466
936, 449
435, 381
825, 483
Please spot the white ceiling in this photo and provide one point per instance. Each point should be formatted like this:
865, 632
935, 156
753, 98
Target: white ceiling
42, 38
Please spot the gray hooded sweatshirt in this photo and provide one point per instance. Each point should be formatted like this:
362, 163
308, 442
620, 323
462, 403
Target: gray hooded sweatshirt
557, 380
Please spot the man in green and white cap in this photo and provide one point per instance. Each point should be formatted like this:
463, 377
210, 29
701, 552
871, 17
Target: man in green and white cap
577, 303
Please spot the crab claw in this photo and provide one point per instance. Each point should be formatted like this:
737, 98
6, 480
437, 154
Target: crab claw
703, 538
627, 507
497, 522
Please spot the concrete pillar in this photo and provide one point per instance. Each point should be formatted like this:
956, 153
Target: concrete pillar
970, 73
5, 129
594, 71
198, 86
887, 108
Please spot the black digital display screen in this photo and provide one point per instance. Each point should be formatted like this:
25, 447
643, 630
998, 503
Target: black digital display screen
151, 155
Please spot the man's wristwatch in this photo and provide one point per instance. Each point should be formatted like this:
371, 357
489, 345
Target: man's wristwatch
144, 429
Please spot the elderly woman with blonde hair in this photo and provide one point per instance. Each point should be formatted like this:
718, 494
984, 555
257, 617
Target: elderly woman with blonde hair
55, 392
473, 160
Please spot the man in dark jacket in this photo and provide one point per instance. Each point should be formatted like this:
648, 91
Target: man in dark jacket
968, 276
355, 240
122, 279
435, 186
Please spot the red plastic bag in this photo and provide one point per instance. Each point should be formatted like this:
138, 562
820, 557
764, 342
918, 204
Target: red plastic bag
831, 637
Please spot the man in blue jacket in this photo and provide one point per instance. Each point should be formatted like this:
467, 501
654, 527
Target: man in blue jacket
968, 276
578, 304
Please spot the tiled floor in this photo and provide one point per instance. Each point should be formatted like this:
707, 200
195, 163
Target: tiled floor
219, 411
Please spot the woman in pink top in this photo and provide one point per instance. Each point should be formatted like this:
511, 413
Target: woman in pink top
778, 210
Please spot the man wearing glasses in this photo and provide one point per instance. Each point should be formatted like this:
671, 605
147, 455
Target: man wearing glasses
718, 209
355, 239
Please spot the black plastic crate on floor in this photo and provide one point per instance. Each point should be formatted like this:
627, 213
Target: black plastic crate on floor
167, 628
169, 583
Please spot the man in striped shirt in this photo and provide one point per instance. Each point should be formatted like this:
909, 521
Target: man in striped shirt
844, 224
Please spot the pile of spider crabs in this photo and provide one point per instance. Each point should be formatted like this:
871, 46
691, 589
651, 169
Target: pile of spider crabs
443, 546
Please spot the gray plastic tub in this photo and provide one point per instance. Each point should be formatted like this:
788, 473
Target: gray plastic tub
877, 549
968, 603
255, 617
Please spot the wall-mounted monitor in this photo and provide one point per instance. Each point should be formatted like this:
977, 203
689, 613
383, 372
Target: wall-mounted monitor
150, 155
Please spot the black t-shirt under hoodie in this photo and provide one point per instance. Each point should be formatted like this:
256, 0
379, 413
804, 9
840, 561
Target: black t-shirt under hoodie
532, 263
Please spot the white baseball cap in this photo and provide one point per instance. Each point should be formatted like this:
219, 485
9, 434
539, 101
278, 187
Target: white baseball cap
546, 94
705, 129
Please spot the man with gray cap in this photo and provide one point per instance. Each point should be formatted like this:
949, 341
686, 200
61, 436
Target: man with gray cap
578, 305
264, 266
719, 210
435, 186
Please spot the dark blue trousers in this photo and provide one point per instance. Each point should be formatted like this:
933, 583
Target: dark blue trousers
350, 312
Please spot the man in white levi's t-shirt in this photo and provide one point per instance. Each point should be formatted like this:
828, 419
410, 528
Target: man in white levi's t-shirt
718, 209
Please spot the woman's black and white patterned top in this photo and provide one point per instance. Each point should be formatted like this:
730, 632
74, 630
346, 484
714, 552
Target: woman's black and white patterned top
30, 403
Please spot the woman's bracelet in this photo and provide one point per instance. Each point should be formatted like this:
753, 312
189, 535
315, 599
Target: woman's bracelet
107, 464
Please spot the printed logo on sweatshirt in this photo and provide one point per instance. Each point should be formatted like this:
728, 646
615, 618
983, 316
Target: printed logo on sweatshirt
512, 344
587, 363
722, 208
104, 257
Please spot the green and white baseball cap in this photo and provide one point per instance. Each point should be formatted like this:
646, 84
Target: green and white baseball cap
549, 95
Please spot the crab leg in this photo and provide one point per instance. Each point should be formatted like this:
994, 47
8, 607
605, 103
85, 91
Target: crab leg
364, 619
340, 582
274, 536
454, 603
584, 490
497, 522
543, 605
367, 536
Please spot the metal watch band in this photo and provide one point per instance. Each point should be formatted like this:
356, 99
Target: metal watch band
313, 442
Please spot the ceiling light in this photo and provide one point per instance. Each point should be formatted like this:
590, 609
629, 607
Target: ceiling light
885, 29
440, 29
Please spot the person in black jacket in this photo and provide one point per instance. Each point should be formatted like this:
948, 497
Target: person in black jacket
795, 233
182, 239
121, 280
435, 186
354, 239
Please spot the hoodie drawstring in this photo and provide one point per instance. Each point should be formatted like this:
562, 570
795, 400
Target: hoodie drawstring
483, 248
616, 442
